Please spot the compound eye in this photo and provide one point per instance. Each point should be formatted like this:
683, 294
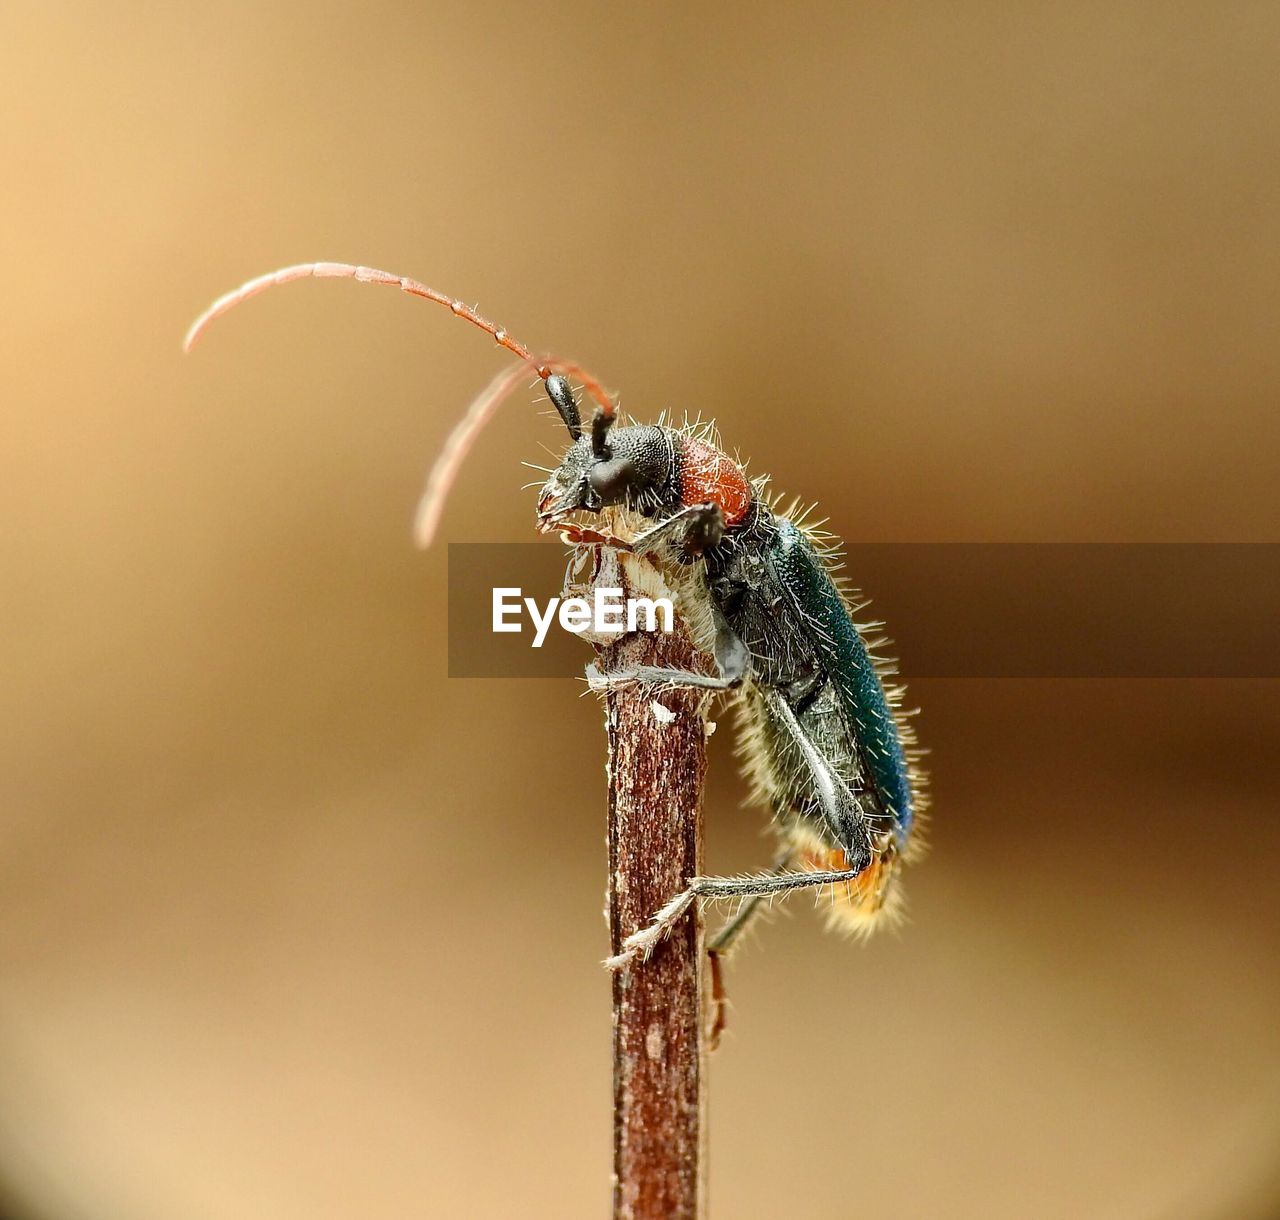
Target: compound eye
611, 479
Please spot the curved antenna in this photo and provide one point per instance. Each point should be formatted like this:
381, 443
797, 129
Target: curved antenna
550, 369
371, 275
445, 471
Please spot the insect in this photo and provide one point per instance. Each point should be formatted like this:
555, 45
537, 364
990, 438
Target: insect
825, 742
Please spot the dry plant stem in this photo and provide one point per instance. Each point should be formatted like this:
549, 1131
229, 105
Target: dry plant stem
657, 766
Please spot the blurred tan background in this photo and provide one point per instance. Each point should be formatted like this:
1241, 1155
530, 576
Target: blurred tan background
293, 925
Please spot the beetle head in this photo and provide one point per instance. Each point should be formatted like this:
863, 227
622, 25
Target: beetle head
631, 466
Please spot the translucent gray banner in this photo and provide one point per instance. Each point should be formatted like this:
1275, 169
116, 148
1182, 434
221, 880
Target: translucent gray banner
1034, 610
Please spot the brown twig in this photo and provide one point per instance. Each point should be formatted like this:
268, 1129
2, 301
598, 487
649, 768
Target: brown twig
657, 766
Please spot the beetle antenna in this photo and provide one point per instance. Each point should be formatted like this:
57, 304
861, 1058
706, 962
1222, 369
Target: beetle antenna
463, 436
553, 371
456, 448
600, 423
561, 395
370, 275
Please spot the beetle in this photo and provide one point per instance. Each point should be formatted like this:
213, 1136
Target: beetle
824, 738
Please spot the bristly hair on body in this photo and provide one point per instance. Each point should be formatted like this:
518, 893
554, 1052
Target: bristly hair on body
870, 898
875, 900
